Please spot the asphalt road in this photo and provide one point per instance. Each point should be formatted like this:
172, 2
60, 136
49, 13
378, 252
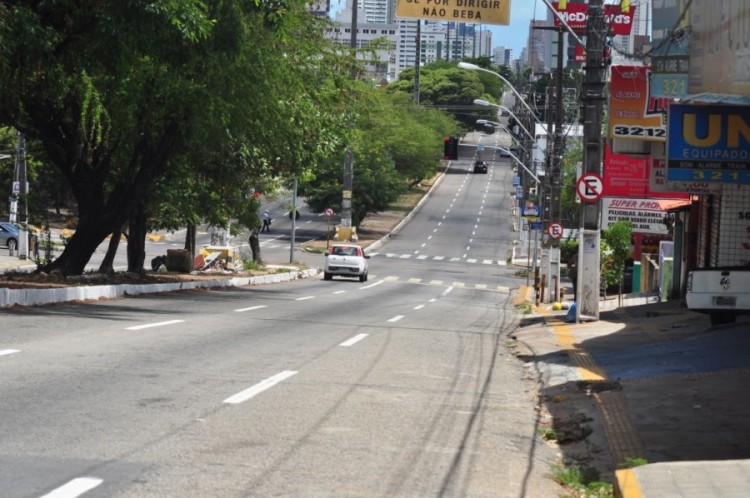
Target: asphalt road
400, 386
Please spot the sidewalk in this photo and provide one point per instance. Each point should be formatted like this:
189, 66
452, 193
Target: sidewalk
649, 382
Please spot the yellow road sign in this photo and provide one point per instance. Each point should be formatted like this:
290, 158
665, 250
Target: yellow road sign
472, 11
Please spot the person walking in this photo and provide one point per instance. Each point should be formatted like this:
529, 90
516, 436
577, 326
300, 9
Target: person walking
266, 222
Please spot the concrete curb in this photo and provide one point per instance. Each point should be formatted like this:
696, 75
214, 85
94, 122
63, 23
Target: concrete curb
36, 297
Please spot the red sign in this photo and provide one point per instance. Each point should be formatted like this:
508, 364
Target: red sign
630, 176
577, 15
555, 230
580, 54
590, 187
634, 114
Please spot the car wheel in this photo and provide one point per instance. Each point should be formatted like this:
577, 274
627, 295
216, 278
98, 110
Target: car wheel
363, 277
327, 276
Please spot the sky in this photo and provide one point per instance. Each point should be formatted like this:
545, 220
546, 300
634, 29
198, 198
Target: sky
514, 36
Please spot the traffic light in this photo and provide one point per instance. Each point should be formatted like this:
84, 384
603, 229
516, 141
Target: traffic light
450, 148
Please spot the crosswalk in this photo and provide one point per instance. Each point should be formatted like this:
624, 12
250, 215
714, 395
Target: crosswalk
454, 259
455, 284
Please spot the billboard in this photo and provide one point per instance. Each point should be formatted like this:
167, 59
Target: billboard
630, 176
577, 16
635, 114
709, 143
465, 11
646, 215
671, 53
719, 47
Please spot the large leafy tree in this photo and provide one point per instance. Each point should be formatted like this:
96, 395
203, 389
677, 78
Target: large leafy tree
123, 94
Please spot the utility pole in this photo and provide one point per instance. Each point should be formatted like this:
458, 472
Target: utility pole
589, 271
345, 229
417, 62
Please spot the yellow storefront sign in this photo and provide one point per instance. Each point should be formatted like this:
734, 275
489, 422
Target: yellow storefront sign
473, 11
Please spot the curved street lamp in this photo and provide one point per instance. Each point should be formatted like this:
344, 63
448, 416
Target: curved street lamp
474, 67
510, 134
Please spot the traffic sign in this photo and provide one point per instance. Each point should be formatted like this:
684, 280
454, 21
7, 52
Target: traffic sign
329, 212
555, 230
590, 187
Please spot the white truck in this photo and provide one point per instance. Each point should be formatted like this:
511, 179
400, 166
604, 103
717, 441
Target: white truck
723, 293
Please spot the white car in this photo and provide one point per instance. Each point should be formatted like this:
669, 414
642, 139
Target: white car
345, 260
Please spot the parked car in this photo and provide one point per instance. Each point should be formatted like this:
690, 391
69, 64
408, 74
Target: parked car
346, 260
480, 167
8, 235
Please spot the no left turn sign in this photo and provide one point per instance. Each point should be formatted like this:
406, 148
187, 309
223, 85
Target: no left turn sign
590, 187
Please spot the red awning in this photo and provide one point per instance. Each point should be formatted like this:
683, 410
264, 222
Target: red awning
674, 204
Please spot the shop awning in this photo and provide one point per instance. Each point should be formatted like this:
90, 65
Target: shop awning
674, 204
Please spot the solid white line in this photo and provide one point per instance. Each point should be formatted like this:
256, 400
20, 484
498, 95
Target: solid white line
396, 318
371, 285
353, 340
6, 352
74, 488
446, 291
157, 324
258, 388
251, 308
304, 298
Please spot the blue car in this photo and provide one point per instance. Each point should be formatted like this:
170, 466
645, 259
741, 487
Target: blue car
8, 235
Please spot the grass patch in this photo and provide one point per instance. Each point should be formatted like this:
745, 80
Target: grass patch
547, 433
629, 463
525, 308
582, 481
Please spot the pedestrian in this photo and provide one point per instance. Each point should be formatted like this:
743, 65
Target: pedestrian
573, 272
266, 222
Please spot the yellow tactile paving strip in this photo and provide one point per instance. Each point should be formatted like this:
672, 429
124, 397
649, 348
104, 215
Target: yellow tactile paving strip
619, 430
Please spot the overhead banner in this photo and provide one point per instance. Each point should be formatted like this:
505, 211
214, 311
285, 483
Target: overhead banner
577, 16
634, 113
719, 47
473, 11
709, 143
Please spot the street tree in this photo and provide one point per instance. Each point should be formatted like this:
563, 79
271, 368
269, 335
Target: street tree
120, 93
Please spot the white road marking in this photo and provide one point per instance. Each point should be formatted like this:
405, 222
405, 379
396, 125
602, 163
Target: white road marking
422, 256
396, 318
438, 258
353, 340
429, 237
258, 388
339, 292
446, 291
405, 256
304, 298
372, 285
157, 324
433, 300
419, 307
74, 488
414, 280
251, 308
471, 260
6, 352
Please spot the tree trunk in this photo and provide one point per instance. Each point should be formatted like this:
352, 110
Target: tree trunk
137, 242
77, 253
255, 246
190, 238
107, 265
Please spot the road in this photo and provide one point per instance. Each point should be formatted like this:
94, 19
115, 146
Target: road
400, 386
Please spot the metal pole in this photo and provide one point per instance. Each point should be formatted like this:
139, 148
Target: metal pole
294, 221
346, 196
418, 60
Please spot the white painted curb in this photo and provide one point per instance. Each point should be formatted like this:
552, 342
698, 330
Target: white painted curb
36, 297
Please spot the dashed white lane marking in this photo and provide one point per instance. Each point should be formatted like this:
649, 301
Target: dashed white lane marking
446, 291
471, 260
429, 237
439, 258
396, 318
419, 307
258, 388
305, 298
251, 308
157, 324
422, 256
414, 280
424, 244
372, 285
74, 488
6, 352
353, 340
339, 292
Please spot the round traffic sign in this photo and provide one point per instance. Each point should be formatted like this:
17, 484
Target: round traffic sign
555, 230
590, 187
329, 212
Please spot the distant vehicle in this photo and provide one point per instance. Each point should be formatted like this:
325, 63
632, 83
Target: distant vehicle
480, 167
346, 260
505, 113
8, 235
